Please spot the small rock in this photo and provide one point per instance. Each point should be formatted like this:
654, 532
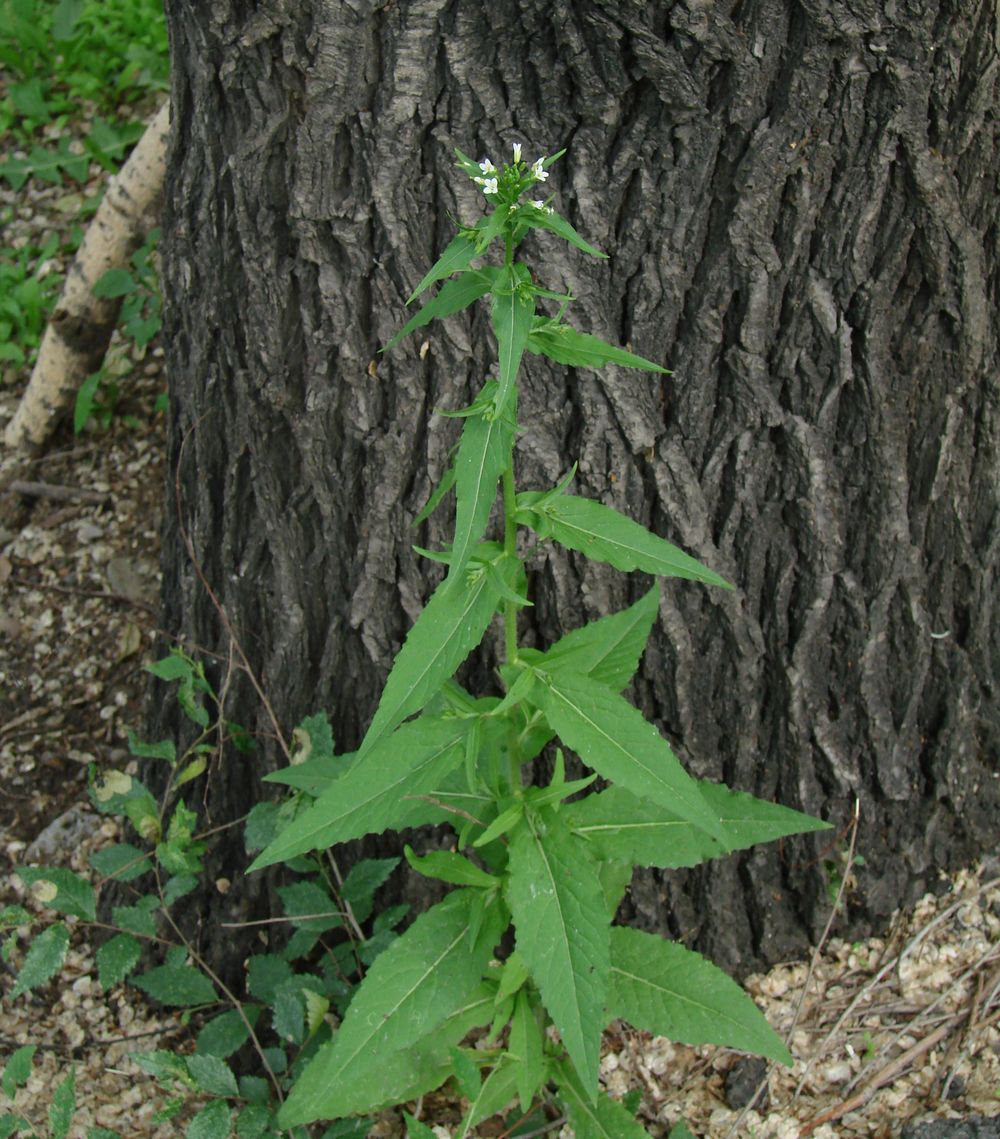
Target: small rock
742, 1081
974, 1127
62, 835
88, 532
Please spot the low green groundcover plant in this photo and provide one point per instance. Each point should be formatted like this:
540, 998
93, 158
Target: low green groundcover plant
550, 863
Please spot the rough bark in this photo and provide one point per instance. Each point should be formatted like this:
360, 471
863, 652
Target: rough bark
799, 200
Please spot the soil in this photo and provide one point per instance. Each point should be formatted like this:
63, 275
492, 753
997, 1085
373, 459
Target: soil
886, 1032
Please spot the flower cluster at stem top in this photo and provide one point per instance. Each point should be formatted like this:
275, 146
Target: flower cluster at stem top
510, 183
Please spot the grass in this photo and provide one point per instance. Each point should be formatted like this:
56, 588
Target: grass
78, 79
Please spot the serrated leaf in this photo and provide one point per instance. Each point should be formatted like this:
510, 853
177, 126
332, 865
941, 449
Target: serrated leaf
362, 880
62, 1107
123, 862
17, 1070
447, 866
565, 345
600, 1118
266, 973
512, 312
311, 906
211, 1074
116, 958
605, 535
212, 1122
452, 297
43, 960
115, 283
623, 826
261, 826
671, 991
61, 889
138, 919
484, 453
409, 992
527, 1046
456, 257
557, 903
224, 1034
372, 796
254, 1122
615, 740
177, 985
608, 650
164, 1066
449, 628
680, 1130
289, 1016
162, 749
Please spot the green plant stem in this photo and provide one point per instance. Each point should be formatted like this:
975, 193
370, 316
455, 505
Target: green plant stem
510, 549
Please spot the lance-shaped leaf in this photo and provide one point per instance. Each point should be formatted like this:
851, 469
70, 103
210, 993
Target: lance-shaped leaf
565, 345
542, 219
426, 975
483, 455
451, 298
513, 312
373, 794
603, 1118
643, 833
456, 257
449, 628
607, 650
615, 740
605, 535
557, 903
672, 991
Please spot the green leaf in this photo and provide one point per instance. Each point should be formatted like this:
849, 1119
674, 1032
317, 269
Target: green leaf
115, 283
409, 992
557, 903
212, 1122
484, 453
623, 826
43, 960
466, 1073
527, 1047
417, 1130
565, 345
255, 1122
123, 862
449, 628
62, 1107
225, 1033
164, 1066
372, 796
432, 503
447, 866
680, 1130
17, 1069
455, 258
513, 311
311, 906
671, 991
211, 1074
542, 219
497, 1090
261, 826
116, 958
615, 740
138, 919
451, 298
177, 985
608, 650
60, 889
605, 535
362, 880
162, 749
266, 973
600, 1118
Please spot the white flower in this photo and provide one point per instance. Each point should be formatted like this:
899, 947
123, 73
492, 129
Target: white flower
538, 172
489, 185
487, 167
538, 204
517, 153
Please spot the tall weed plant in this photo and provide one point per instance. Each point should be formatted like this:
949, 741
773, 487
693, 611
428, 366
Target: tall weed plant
506, 985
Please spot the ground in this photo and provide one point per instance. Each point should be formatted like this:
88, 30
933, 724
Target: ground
897, 1028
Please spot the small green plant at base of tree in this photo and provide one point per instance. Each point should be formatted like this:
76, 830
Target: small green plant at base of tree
139, 322
327, 936
546, 860
27, 292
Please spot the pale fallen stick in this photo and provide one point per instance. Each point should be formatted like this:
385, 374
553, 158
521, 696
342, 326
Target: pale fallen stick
81, 325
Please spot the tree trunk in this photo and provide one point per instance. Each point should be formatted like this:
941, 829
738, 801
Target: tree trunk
799, 199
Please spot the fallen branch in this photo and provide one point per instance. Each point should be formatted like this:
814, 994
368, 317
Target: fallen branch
81, 325
57, 492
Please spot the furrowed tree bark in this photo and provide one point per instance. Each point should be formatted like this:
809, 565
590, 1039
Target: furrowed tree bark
799, 201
